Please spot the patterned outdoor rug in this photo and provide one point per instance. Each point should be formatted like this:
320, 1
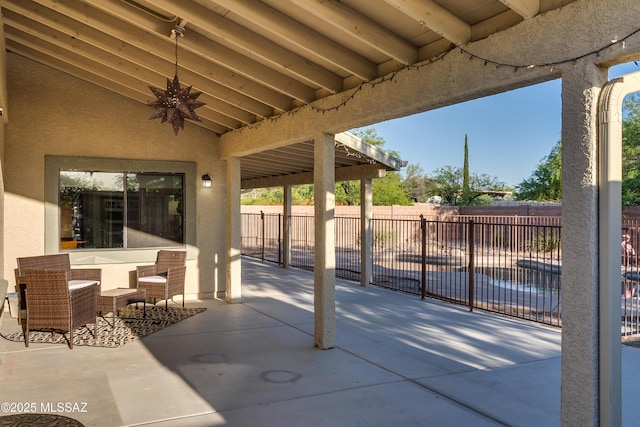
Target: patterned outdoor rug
129, 326
34, 420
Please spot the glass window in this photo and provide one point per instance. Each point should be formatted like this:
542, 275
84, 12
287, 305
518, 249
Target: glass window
104, 210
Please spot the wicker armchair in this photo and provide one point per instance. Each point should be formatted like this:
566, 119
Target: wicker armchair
53, 305
50, 262
164, 279
56, 262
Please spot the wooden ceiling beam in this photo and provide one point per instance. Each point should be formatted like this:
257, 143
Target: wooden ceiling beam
253, 45
115, 36
315, 44
433, 16
525, 8
277, 159
362, 28
348, 173
193, 41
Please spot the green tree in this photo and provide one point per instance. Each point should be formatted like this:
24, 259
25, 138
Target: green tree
448, 183
347, 193
302, 194
388, 191
263, 196
545, 183
466, 189
370, 136
631, 151
416, 184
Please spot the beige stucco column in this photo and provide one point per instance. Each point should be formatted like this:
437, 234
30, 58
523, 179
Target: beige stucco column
610, 195
286, 227
324, 272
233, 244
366, 231
2, 168
581, 86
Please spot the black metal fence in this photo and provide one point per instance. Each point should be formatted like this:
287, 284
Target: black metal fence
506, 265
631, 278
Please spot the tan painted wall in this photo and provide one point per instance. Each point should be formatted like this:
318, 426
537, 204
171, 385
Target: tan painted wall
407, 212
52, 113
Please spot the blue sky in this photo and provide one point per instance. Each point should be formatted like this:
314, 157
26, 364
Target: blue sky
509, 134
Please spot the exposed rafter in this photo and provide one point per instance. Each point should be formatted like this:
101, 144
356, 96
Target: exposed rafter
525, 8
316, 44
433, 16
252, 44
362, 28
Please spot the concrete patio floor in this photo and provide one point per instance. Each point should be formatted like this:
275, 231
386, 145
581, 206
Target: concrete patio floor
398, 361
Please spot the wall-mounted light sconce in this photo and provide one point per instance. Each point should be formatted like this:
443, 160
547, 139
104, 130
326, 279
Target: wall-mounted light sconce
206, 180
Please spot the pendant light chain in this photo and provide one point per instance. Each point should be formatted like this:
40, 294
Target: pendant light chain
178, 32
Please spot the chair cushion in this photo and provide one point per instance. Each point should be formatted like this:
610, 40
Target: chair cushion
153, 279
77, 284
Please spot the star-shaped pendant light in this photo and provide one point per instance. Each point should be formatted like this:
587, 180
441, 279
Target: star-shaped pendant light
175, 104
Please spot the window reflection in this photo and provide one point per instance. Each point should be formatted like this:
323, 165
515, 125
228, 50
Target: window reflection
97, 210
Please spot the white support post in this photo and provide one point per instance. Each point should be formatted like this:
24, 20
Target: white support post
610, 190
366, 231
324, 271
286, 227
234, 230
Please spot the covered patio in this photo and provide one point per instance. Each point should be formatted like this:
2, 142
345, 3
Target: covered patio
281, 81
398, 361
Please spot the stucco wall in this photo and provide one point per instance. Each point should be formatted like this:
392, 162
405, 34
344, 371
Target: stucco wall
413, 212
55, 114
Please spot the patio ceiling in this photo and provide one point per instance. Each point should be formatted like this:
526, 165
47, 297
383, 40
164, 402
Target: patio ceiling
293, 164
251, 59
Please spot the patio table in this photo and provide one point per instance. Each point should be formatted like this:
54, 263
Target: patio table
115, 299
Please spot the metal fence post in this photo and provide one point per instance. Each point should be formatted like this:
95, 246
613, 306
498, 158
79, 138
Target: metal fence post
262, 234
423, 237
471, 268
280, 239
